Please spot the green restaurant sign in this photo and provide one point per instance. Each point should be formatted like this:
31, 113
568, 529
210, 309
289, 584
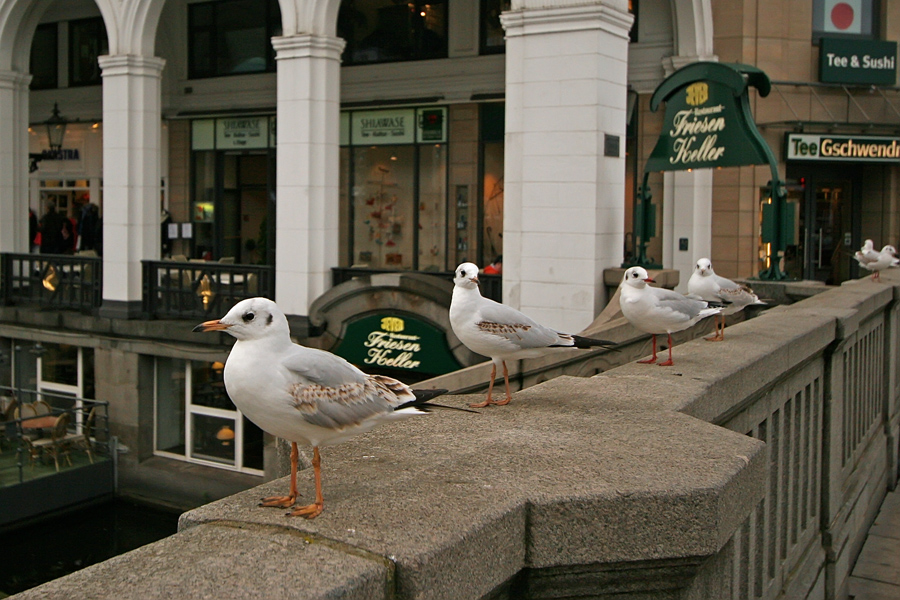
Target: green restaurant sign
396, 341
708, 121
866, 62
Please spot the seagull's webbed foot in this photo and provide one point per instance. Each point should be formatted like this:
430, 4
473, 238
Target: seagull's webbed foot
649, 361
310, 511
715, 338
279, 501
667, 363
487, 402
502, 402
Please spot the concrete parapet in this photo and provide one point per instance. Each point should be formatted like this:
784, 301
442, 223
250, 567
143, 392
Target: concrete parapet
751, 468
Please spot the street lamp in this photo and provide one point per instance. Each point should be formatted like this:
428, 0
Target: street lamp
56, 132
56, 128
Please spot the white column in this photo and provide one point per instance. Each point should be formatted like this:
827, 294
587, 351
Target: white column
14, 162
131, 171
687, 214
308, 124
564, 205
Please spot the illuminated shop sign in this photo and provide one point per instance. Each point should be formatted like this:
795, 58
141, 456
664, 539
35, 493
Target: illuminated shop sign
390, 341
806, 146
233, 133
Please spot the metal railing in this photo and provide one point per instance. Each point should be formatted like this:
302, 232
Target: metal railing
88, 429
183, 290
52, 280
491, 285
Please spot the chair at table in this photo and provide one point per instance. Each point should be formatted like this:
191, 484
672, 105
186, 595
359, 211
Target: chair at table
8, 406
41, 408
57, 445
85, 440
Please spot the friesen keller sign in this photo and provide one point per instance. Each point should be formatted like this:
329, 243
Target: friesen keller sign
842, 147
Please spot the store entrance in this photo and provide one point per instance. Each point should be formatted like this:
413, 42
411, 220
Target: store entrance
829, 201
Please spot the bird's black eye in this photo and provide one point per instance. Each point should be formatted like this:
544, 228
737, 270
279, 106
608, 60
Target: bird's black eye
634, 274
248, 316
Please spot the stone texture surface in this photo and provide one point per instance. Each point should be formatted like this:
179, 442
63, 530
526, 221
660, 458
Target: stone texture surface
229, 560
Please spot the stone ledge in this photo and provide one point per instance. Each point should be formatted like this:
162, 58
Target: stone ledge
228, 560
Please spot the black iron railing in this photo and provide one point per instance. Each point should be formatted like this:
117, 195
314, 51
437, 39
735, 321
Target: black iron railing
180, 290
52, 280
491, 285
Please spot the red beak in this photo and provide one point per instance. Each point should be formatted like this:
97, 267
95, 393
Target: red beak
650, 280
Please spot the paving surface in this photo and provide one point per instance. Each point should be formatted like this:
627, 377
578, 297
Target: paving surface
876, 575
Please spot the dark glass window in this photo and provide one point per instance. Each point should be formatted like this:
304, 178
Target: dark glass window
634, 8
44, 57
232, 37
378, 31
87, 41
492, 34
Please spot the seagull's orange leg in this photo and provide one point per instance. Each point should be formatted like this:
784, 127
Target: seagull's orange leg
311, 511
488, 400
506, 381
652, 359
720, 329
286, 501
669, 362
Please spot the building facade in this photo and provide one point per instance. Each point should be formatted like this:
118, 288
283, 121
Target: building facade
316, 135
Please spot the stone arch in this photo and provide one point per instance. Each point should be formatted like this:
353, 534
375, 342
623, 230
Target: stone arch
693, 30
317, 17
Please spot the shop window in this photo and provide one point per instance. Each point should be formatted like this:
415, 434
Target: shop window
196, 421
61, 374
44, 57
397, 189
859, 19
493, 38
232, 37
492, 131
87, 41
378, 31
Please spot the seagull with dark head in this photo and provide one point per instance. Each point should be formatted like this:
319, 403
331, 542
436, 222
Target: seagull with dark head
304, 395
500, 332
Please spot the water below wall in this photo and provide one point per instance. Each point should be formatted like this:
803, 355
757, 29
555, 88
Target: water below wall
57, 546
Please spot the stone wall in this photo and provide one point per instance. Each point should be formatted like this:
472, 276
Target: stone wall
752, 468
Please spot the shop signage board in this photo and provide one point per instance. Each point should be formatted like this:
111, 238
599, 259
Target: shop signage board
842, 147
866, 62
396, 341
242, 132
708, 122
394, 126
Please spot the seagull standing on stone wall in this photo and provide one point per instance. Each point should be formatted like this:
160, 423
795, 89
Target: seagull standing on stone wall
304, 395
657, 310
704, 284
876, 262
500, 332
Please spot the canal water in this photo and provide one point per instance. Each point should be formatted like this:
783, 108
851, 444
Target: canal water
57, 546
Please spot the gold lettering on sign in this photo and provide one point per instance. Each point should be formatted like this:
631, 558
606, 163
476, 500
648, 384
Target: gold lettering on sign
383, 344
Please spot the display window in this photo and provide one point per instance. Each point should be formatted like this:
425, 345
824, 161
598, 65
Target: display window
396, 188
378, 31
196, 421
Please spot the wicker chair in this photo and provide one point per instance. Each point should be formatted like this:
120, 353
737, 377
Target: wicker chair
58, 443
85, 440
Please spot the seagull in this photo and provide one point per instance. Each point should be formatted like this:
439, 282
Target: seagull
704, 284
500, 332
657, 310
874, 261
304, 395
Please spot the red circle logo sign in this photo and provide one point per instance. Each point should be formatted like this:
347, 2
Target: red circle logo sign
842, 15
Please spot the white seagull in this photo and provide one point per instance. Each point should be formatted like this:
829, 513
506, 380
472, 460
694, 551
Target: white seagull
704, 284
500, 332
658, 310
301, 394
874, 261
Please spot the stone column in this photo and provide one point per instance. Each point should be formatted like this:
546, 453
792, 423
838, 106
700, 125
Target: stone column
14, 162
308, 124
131, 172
564, 205
687, 213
